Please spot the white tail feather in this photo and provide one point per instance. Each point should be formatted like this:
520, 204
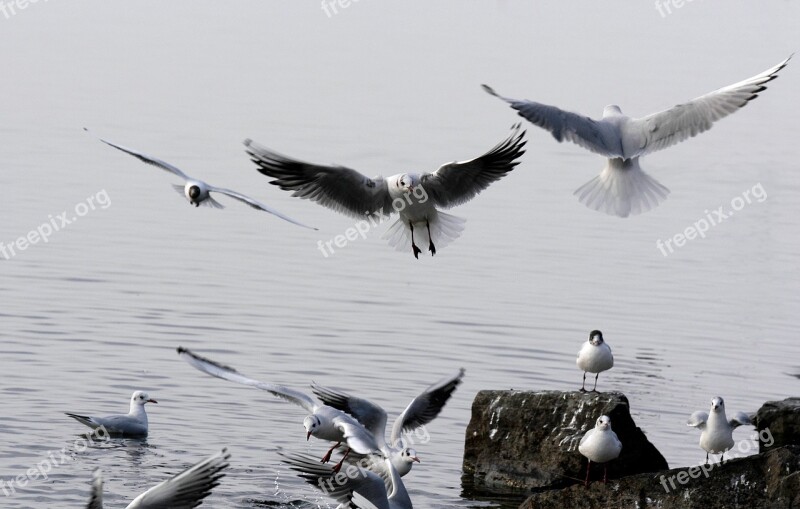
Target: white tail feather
445, 228
622, 189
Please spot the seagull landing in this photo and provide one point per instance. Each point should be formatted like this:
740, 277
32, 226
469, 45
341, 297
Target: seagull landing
622, 188
198, 192
716, 430
594, 357
134, 423
415, 197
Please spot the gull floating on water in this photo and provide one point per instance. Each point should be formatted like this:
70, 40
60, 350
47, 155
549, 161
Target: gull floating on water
601, 445
622, 188
361, 487
183, 491
716, 430
415, 197
422, 410
594, 357
198, 192
324, 422
134, 423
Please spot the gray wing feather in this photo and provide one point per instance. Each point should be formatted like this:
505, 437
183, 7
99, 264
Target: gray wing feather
256, 204
146, 158
590, 134
336, 187
187, 489
425, 407
228, 373
458, 182
698, 419
683, 121
740, 419
364, 411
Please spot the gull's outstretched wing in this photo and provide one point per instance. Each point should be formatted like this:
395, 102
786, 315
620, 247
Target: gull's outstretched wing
590, 134
425, 407
370, 415
228, 373
96, 500
256, 204
458, 182
146, 158
187, 489
666, 128
336, 187
698, 419
740, 419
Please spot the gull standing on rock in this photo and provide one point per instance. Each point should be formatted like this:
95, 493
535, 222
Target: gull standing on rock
601, 445
622, 188
415, 197
716, 430
133, 424
594, 357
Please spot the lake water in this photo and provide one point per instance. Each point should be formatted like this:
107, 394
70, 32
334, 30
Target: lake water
383, 87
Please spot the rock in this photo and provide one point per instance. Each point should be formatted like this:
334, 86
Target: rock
517, 441
778, 424
770, 481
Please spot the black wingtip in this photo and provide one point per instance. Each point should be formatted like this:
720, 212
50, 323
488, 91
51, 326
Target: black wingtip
248, 142
489, 90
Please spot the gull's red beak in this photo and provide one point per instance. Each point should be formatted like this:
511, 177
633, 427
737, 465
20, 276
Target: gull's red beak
308, 435
151, 401
416, 458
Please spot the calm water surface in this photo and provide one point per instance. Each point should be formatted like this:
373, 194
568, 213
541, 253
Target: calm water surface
383, 87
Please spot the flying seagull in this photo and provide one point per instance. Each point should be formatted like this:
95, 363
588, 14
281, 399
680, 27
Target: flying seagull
183, 491
416, 197
594, 357
134, 423
198, 192
622, 188
716, 430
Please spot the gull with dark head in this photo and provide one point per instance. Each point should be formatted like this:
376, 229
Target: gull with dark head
716, 435
198, 192
423, 409
416, 197
183, 491
132, 424
323, 422
594, 357
622, 188
601, 445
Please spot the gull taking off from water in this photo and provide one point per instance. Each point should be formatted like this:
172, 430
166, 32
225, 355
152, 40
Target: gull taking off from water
601, 445
416, 197
134, 423
716, 430
622, 188
198, 192
594, 357
183, 491
324, 422
422, 410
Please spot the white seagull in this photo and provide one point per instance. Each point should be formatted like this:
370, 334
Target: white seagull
361, 487
622, 188
134, 423
198, 192
422, 410
594, 357
183, 491
324, 422
415, 197
601, 445
716, 430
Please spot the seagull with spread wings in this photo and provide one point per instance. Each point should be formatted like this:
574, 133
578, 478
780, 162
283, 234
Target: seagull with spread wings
622, 188
196, 191
415, 197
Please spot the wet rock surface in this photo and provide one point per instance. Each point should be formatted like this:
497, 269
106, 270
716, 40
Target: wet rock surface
778, 424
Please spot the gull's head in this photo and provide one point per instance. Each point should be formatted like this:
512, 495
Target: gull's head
612, 110
140, 398
406, 182
603, 423
717, 404
409, 455
311, 424
194, 194
596, 338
